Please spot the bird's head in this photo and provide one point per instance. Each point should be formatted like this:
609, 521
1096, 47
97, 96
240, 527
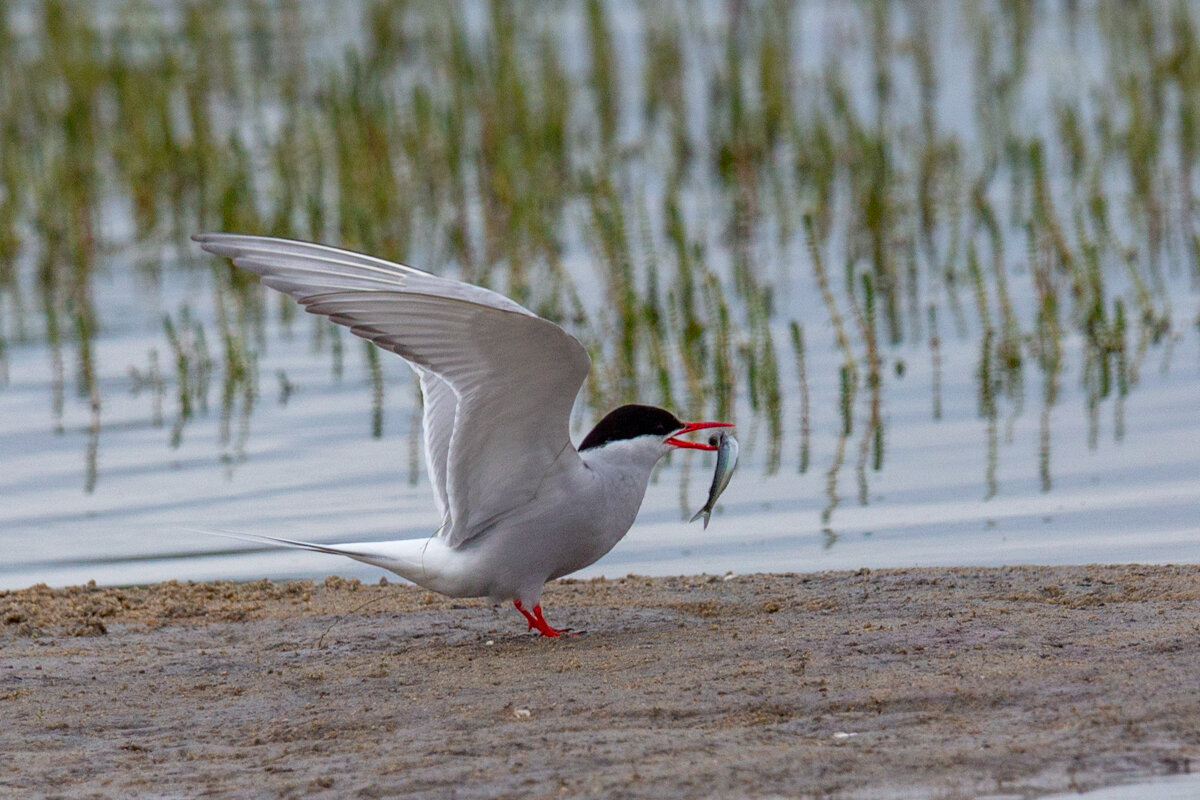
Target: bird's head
646, 428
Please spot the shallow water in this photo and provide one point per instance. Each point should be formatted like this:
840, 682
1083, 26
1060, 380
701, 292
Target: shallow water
311, 471
1039, 485
1170, 787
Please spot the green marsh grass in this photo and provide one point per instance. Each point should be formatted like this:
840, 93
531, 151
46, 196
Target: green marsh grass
797, 334
702, 186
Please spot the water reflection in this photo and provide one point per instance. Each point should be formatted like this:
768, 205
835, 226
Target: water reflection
681, 187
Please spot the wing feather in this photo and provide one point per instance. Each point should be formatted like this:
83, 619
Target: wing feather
441, 404
498, 381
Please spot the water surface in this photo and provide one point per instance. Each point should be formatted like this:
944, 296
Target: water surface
938, 262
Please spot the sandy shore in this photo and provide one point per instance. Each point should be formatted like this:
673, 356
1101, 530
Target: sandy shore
925, 682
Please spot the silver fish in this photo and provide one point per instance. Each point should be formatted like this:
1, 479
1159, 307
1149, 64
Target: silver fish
727, 456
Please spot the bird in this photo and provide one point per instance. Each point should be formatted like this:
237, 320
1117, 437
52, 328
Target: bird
520, 505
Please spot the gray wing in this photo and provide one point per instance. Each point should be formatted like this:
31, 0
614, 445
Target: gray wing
441, 405
498, 380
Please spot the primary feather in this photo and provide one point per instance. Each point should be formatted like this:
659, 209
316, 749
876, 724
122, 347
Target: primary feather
498, 381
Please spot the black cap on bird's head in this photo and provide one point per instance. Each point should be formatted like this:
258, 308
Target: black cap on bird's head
632, 421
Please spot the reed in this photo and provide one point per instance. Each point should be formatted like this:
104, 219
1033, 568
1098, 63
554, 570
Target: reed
603, 73
864, 315
802, 376
183, 372
375, 374
653, 316
151, 381
480, 145
935, 355
722, 383
831, 476
849, 368
1122, 369
1009, 347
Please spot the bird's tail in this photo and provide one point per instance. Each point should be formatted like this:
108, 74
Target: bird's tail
359, 552
425, 562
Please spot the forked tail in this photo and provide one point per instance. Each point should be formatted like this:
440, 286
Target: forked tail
359, 552
425, 562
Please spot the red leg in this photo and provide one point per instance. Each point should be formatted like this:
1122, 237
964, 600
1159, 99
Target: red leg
526, 614
536, 620
544, 626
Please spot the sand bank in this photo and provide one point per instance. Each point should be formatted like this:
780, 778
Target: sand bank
922, 682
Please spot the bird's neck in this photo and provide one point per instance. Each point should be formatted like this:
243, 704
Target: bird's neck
623, 469
622, 472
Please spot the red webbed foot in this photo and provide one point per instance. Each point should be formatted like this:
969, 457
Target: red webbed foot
536, 620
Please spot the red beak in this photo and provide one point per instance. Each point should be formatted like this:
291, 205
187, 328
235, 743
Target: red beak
689, 427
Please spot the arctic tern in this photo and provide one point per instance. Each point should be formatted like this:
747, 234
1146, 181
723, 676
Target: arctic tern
520, 505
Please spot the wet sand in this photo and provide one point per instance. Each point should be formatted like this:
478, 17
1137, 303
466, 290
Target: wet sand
897, 683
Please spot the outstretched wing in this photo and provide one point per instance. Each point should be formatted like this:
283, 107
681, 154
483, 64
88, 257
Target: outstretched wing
441, 405
498, 380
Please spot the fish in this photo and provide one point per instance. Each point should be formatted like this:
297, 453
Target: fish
727, 456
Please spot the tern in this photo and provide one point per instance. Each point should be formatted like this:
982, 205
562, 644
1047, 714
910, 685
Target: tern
520, 505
